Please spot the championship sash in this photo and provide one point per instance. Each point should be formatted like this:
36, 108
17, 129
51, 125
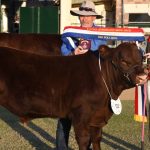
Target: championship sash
123, 34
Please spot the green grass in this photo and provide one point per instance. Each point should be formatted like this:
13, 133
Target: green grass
121, 132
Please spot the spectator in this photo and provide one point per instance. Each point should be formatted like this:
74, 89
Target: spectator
148, 44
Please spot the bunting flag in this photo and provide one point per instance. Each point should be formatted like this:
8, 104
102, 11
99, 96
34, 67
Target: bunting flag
123, 34
140, 109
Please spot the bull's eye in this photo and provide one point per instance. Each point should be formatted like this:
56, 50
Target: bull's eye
125, 63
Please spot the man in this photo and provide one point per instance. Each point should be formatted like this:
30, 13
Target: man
87, 15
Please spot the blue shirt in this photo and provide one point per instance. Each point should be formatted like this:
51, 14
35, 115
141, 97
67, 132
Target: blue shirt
95, 43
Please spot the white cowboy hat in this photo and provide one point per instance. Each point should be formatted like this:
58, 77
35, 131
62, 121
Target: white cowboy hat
87, 8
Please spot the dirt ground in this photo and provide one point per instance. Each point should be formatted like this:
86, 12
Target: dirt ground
128, 94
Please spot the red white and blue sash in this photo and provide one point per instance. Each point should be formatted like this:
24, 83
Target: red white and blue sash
140, 104
123, 34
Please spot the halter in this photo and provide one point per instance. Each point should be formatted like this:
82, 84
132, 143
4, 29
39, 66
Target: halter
127, 73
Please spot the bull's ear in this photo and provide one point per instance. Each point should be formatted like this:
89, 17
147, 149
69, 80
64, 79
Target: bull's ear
104, 51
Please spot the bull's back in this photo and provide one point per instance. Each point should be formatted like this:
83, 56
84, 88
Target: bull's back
47, 44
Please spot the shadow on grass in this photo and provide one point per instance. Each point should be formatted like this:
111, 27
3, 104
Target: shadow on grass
118, 143
13, 122
112, 141
44, 134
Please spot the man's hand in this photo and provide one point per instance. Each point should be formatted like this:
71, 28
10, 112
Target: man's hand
80, 50
141, 79
147, 55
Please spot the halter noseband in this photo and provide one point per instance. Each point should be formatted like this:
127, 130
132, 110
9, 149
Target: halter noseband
127, 73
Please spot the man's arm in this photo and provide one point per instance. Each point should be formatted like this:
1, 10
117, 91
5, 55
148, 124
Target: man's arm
65, 51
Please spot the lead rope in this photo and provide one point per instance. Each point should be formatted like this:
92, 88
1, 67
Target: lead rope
143, 117
103, 77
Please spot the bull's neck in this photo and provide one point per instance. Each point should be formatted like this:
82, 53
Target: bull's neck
113, 79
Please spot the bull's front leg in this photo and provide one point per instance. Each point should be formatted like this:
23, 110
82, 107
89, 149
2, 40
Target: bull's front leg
82, 136
82, 132
96, 136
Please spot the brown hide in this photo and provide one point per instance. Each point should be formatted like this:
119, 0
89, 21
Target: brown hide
47, 44
34, 86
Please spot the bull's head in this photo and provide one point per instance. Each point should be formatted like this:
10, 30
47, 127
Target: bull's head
127, 59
